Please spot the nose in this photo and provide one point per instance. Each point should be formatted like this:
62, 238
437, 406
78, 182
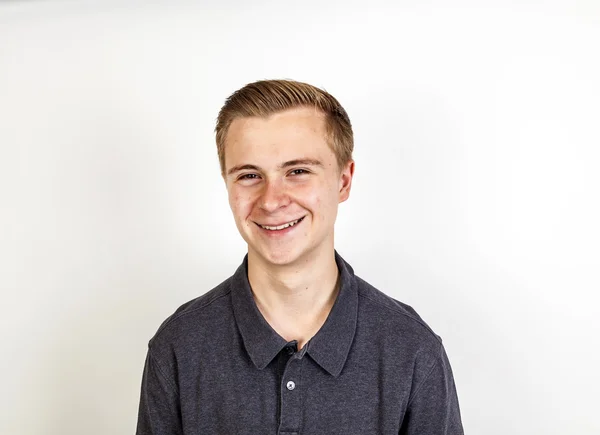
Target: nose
273, 196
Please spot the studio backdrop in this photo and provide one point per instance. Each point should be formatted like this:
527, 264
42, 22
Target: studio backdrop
475, 198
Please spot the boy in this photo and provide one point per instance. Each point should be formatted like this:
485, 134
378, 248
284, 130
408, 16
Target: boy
294, 342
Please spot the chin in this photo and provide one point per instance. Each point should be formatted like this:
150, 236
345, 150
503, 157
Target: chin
279, 257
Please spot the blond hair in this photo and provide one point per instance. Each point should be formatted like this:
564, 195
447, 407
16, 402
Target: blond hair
266, 97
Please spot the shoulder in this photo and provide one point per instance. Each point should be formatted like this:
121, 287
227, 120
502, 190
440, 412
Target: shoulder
195, 316
392, 320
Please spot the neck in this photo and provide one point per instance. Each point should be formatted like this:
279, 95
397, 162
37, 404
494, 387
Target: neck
295, 299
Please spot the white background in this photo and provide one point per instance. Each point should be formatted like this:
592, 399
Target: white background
475, 198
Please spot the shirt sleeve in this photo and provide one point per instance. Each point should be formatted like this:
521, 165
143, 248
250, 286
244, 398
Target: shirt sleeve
159, 411
433, 408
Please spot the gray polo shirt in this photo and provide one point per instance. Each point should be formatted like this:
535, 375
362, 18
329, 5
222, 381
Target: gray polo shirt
216, 367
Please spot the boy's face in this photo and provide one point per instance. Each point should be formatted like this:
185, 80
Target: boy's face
280, 170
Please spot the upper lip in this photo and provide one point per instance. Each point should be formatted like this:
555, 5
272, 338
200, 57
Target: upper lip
277, 225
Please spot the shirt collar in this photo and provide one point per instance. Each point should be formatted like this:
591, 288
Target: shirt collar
329, 347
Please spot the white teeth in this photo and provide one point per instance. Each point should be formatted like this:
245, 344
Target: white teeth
281, 227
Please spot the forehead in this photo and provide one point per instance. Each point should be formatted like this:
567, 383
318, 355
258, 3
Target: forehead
298, 130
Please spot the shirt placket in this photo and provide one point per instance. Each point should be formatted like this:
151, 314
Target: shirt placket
291, 394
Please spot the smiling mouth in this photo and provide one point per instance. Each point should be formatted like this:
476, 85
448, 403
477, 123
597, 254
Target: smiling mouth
281, 227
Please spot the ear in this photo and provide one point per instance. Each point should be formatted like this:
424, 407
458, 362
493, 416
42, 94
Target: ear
346, 175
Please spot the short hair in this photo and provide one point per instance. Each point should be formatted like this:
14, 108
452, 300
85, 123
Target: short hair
266, 97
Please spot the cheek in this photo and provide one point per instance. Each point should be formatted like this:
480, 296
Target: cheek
240, 204
322, 201
234, 201
310, 196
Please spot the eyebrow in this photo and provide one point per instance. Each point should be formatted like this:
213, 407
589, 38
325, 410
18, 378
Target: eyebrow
296, 162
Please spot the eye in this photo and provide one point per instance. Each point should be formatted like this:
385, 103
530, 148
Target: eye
299, 172
248, 177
